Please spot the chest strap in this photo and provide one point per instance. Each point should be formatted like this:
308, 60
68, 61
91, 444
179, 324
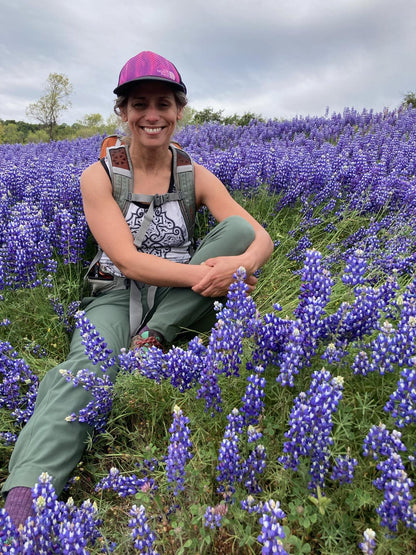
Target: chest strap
155, 201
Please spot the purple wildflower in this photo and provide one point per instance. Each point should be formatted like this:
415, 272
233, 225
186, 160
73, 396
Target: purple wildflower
397, 505
379, 442
343, 469
272, 531
213, 515
355, 269
125, 485
143, 537
18, 386
252, 467
229, 463
368, 545
402, 403
95, 346
253, 398
311, 426
102, 390
178, 452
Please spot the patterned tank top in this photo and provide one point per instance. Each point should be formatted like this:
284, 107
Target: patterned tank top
166, 237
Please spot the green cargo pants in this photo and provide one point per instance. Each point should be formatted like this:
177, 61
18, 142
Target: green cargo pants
48, 443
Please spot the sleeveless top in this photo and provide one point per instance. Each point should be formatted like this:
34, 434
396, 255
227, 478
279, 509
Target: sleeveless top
166, 237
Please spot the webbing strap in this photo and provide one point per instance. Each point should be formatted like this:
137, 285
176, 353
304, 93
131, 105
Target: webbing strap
136, 304
157, 200
135, 307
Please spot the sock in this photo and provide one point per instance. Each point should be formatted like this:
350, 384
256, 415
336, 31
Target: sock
19, 504
147, 332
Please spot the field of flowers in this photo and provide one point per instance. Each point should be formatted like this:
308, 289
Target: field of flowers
291, 428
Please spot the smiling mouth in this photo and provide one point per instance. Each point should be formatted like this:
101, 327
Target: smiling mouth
152, 130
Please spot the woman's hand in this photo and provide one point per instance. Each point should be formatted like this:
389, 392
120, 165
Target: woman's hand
219, 275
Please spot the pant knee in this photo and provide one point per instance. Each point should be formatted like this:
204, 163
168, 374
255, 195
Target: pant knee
241, 231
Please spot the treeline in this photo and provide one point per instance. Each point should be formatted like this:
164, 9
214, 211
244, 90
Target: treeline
12, 131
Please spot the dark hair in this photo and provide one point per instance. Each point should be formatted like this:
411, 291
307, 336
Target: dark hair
121, 101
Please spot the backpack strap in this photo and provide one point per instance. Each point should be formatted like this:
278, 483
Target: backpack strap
184, 176
120, 168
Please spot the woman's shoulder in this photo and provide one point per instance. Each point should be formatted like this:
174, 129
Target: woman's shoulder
95, 170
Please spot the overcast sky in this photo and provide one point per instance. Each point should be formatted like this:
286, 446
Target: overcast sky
277, 58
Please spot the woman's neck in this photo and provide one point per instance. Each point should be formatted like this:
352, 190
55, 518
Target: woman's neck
150, 160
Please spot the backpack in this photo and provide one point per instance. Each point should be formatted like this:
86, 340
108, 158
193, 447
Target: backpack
117, 159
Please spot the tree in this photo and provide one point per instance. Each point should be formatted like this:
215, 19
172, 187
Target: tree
49, 107
410, 99
207, 115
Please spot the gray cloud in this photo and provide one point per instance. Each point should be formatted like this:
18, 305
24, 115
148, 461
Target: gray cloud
278, 58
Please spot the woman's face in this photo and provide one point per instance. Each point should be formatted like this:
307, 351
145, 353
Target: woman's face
151, 113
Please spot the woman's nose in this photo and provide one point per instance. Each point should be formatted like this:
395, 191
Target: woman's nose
152, 113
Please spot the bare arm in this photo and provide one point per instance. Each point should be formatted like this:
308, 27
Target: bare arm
213, 194
211, 279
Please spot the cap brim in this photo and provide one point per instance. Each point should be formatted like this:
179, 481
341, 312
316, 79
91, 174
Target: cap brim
123, 89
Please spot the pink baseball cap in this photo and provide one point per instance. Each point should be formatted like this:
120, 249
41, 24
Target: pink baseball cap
148, 66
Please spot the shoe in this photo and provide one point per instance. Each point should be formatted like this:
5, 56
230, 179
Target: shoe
146, 339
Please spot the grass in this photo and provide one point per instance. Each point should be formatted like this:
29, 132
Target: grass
138, 428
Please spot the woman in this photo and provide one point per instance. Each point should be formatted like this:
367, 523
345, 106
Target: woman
164, 287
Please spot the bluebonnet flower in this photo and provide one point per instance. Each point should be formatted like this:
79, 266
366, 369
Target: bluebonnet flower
252, 468
95, 345
298, 253
355, 269
102, 390
142, 535
343, 469
292, 355
302, 340
272, 531
353, 322
334, 352
316, 283
249, 504
213, 515
379, 442
382, 348
229, 459
66, 317
397, 505
368, 545
56, 527
311, 425
210, 389
402, 403
179, 450
18, 386
361, 364
185, 366
100, 386
404, 348
125, 485
253, 403
8, 533
8, 438
235, 321
271, 335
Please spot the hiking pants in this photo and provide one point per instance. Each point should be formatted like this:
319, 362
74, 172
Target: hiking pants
48, 443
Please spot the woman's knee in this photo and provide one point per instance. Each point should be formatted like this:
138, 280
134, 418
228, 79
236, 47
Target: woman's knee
240, 230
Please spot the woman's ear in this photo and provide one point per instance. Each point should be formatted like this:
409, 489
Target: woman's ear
123, 114
180, 114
